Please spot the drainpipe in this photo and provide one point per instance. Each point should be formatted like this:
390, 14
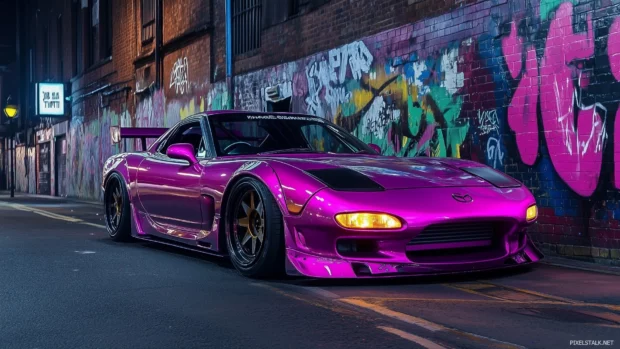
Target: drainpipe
158, 42
229, 56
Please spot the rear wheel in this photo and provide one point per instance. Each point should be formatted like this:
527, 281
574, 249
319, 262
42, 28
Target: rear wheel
117, 213
255, 234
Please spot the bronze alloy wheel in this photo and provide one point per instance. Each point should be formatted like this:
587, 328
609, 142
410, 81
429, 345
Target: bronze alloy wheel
249, 227
116, 207
254, 230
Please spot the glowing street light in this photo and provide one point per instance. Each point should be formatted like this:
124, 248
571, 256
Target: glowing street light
11, 111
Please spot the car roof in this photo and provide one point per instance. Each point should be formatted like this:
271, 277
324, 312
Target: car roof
234, 111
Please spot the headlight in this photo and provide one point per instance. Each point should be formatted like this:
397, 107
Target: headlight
531, 213
362, 220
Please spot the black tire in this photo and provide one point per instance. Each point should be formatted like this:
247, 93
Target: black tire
268, 259
119, 228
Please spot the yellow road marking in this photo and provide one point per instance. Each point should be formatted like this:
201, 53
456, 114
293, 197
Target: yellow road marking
412, 337
94, 225
41, 212
394, 314
382, 300
502, 292
535, 293
306, 300
48, 214
428, 325
471, 291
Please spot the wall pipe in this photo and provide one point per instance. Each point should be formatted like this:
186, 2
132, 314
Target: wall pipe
229, 55
158, 42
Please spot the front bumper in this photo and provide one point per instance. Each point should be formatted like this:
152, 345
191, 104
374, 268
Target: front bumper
309, 265
317, 246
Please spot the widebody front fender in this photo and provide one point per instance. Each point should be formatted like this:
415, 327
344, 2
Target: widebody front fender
291, 188
121, 164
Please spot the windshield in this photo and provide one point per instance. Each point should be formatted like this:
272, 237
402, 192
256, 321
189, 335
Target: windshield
242, 134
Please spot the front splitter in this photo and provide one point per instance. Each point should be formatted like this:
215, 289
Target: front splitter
305, 264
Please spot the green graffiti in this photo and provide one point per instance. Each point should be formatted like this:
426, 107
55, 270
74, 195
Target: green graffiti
548, 6
455, 129
415, 116
218, 98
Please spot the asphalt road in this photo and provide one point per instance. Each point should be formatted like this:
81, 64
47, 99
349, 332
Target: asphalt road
63, 284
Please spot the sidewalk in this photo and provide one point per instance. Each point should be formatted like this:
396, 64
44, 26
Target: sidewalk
565, 262
550, 258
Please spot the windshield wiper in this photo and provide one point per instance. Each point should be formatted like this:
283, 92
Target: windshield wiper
290, 150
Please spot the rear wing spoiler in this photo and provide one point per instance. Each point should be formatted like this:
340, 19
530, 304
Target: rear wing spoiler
142, 133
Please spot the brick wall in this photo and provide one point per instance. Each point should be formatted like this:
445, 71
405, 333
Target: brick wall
335, 23
474, 80
181, 16
464, 82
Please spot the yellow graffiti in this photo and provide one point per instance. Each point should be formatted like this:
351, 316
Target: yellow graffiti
361, 98
191, 108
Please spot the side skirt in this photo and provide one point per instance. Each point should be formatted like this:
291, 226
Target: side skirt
183, 246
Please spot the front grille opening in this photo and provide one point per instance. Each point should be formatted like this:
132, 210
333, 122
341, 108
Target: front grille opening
450, 252
468, 234
465, 241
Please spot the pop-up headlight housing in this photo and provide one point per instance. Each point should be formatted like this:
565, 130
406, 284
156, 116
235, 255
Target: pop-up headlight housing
496, 178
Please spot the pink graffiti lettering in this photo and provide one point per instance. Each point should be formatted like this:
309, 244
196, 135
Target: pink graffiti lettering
522, 109
613, 50
576, 151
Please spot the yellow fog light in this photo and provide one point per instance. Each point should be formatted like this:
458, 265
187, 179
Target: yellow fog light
363, 220
531, 213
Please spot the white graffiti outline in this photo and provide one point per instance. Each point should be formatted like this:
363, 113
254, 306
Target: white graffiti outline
569, 128
489, 121
330, 74
179, 76
494, 151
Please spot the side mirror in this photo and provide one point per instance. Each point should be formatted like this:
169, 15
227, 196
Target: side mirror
375, 147
182, 151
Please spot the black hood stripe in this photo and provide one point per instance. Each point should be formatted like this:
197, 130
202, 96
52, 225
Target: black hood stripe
345, 179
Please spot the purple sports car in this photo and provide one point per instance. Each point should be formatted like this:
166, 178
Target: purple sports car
289, 193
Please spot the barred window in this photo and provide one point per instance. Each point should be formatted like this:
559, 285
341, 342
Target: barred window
246, 25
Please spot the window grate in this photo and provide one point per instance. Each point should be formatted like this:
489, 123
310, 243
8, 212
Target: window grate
246, 18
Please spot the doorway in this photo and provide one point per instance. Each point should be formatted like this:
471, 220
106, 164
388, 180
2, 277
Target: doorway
44, 169
60, 160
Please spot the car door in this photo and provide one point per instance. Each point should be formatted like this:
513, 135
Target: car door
169, 189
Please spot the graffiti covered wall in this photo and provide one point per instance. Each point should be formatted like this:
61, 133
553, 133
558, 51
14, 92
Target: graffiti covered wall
527, 87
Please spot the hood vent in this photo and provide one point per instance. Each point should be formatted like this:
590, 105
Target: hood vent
344, 179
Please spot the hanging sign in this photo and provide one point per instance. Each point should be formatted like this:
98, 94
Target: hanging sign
50, 99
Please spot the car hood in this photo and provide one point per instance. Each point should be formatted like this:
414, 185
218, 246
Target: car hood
389, 172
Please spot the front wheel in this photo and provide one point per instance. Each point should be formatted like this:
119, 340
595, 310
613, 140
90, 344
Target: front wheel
255, 233
117, 212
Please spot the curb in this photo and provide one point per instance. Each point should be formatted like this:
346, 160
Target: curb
566, 262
